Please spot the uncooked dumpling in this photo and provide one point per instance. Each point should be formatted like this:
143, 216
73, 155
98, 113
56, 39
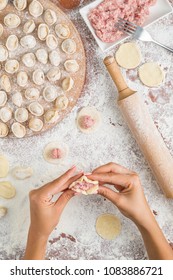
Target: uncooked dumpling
71, 66
4, 130
52, 41
151, 74
12, 66
42, 56
38, 77
12, 42
22, 79
54, 74
17, 99
54, 58
3, 211
128, 55
5, 114
4, 166
69, 46
67, 84
29, 60
20, 5
29, 26
3, 53
61, 102
3, 98
51, 116
50, 17
12, 20
43, 31
35, 124
5, 83
62, 31
36, 109
85, 186
7, 190
50, 93
88, 119
1, 29
35, 8
18, 130
21, 115
22, 173
55, 152
32, 94
108, 226
3, 4
28, 42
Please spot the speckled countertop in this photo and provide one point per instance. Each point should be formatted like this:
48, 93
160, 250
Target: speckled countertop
75, 236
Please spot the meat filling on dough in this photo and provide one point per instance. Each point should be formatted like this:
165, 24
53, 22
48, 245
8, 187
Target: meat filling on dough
85, 186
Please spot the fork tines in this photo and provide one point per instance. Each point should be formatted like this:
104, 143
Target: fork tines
126, 26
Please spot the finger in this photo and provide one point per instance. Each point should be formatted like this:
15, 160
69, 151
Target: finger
73, 179
63, 200
109, 194
112, 167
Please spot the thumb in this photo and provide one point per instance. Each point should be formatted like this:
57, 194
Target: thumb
63, 200
109, 194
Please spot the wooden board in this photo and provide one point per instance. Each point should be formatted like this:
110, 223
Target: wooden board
78, 77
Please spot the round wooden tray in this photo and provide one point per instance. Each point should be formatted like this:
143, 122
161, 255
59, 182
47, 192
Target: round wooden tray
78, 77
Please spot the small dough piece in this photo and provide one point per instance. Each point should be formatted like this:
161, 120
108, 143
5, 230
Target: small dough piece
18, 130
54, 58
85, 186
38, 77
51, 116
3, 53
3, 98
3, 211
4, 166
36, 109
3, 4
35, 124
68, 46
4, 130
128, 55
21, 115
5, 83
12, 20
42, 56
108, 226
5, 114
7, 190
151, 74
43, 31
20, 5
29, 26
32, 94
62, 31
17, 99
12, 43
28, 42
35, 8
22, 79
50, 17
50, 93
55, 152
22, 173
1, 29
52, 42
29, 60
54, 74
67, 84
71, 66
61, 102
12, 66
88, 119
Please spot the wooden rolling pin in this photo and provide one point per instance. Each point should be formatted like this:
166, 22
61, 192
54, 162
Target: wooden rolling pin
138, 118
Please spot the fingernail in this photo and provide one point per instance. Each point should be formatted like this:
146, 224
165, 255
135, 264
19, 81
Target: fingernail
87, 174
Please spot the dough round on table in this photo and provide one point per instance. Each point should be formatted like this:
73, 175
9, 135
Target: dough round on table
7, 190
151, 74
93, 114
108, 226
22, 173
128, 55
62, 148
4, 166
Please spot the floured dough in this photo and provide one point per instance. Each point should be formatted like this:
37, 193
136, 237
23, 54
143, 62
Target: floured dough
88, 119
22, 173
55, 152
7, 190
3, 211
108, 226
151, 74
4, 166
85, 186
4, 130
128, 55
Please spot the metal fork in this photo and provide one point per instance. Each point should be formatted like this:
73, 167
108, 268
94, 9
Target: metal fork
138, 32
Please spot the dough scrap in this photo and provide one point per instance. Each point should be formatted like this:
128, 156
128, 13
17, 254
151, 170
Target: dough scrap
89, 112
85, 186
151, 74
4, 166
62, 151
7, 190
3, 211
22, 173
108, 226
128, 55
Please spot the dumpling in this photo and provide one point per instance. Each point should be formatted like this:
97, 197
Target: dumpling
3, 53
52, 42
32, 94
42, 56
67, 84
21, 115
12, 42
1, 29
43, 31
38, 77
12, 66
3, 98
17, 99
69, 46
3, 4
5, 83
35, 124
55, 152
35, 8
50, 17
54, 58
20, 5
12, 20
61, 102
50, 93
22, 79
71, 66
4, 130
29, 60
62, 31
28, 41
5, 114
36, 109
54, 74
18, 130
29, 26
51, 116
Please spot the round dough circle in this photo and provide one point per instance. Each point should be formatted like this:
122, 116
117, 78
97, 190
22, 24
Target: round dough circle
108, 226
94, 114
55, 145
151, 74
128, 55
4, 166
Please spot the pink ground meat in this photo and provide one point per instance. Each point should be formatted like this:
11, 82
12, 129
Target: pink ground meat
105, 15
56, 154
84, 186
86, 122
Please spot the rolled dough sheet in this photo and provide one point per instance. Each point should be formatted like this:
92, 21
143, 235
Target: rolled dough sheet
128, 55
151, 74
108, 226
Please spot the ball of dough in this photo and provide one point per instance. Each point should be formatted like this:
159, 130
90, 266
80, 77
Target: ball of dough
128, 55
88, 119
151, 74
108, 226
4, 166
